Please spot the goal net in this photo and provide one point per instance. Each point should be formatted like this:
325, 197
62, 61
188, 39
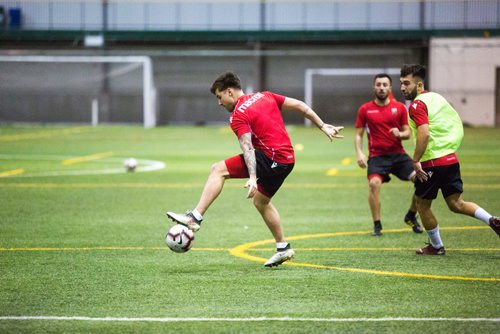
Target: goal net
77, 89
337, 93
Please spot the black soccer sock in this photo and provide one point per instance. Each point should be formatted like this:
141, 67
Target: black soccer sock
411, 214
377, 224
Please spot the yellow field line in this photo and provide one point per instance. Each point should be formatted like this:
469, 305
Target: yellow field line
215, 249
106, 185
257, 243
346, 161
12, 172
362, 173
332, 172
92, 157
372, 249
42, 134
97, 248
211, 249
241, 251
394, 273
233, 185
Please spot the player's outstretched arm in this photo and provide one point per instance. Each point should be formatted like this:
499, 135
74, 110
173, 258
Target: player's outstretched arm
329, 130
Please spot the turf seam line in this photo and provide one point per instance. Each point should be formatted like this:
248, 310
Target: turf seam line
246, 319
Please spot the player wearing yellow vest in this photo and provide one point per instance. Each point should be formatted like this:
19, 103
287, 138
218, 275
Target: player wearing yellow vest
438, 132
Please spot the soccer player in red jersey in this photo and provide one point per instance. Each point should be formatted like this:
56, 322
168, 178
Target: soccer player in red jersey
438, 134
385, 121
267, 159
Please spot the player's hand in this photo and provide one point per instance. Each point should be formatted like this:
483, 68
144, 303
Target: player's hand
421, 174
395, 132
252, 187
362, 160
332, 131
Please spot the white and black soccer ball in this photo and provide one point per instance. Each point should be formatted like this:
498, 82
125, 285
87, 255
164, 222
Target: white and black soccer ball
179, 238
130, 164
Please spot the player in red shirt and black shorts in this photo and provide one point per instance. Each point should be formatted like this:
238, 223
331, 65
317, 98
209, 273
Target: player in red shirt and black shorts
385, 121
267, 157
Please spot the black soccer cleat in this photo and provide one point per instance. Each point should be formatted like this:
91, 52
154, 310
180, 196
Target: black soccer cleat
377, 230
495, 224
413, 223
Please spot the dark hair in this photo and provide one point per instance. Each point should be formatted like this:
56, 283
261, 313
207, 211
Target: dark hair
224, 81
383, 75
415, 70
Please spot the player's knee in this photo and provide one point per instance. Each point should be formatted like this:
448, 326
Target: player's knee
374, 184
422, 205
456, 206
259, 203
218, 168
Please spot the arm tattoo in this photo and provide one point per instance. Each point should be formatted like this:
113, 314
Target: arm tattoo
248, 153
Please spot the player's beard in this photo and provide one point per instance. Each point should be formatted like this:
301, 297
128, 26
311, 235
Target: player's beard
410, 96
382, 96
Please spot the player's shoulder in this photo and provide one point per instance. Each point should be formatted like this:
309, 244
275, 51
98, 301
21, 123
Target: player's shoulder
398, 104
268, 93
368, 105
277, 99
417, 105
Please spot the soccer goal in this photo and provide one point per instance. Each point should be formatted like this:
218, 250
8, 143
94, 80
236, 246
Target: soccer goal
77, 89
339, 73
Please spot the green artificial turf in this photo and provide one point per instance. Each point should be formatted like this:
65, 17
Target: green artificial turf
92, 244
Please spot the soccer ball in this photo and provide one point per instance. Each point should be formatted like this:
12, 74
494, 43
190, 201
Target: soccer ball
130, 164
179, 238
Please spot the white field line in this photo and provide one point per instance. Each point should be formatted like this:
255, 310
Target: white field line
250, 319
144, 166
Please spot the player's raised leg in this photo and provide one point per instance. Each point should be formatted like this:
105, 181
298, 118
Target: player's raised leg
213, 186
456, 204
212, 189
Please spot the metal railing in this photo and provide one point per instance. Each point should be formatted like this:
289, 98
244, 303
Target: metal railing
249, 15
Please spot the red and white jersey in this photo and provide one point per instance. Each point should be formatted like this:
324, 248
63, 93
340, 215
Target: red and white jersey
260, 114
377, 121
418, 112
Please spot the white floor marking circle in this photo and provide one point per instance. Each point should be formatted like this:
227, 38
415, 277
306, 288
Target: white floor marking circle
143, 166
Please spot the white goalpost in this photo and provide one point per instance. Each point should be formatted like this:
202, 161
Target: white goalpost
310, 73
81, 79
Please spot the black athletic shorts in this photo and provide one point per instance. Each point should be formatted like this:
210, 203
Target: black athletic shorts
270, 174
398, 164
446, 178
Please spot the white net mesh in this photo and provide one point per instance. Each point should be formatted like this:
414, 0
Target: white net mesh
65, 90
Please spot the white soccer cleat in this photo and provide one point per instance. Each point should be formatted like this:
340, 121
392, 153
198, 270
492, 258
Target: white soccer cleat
186, 219
280, 257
